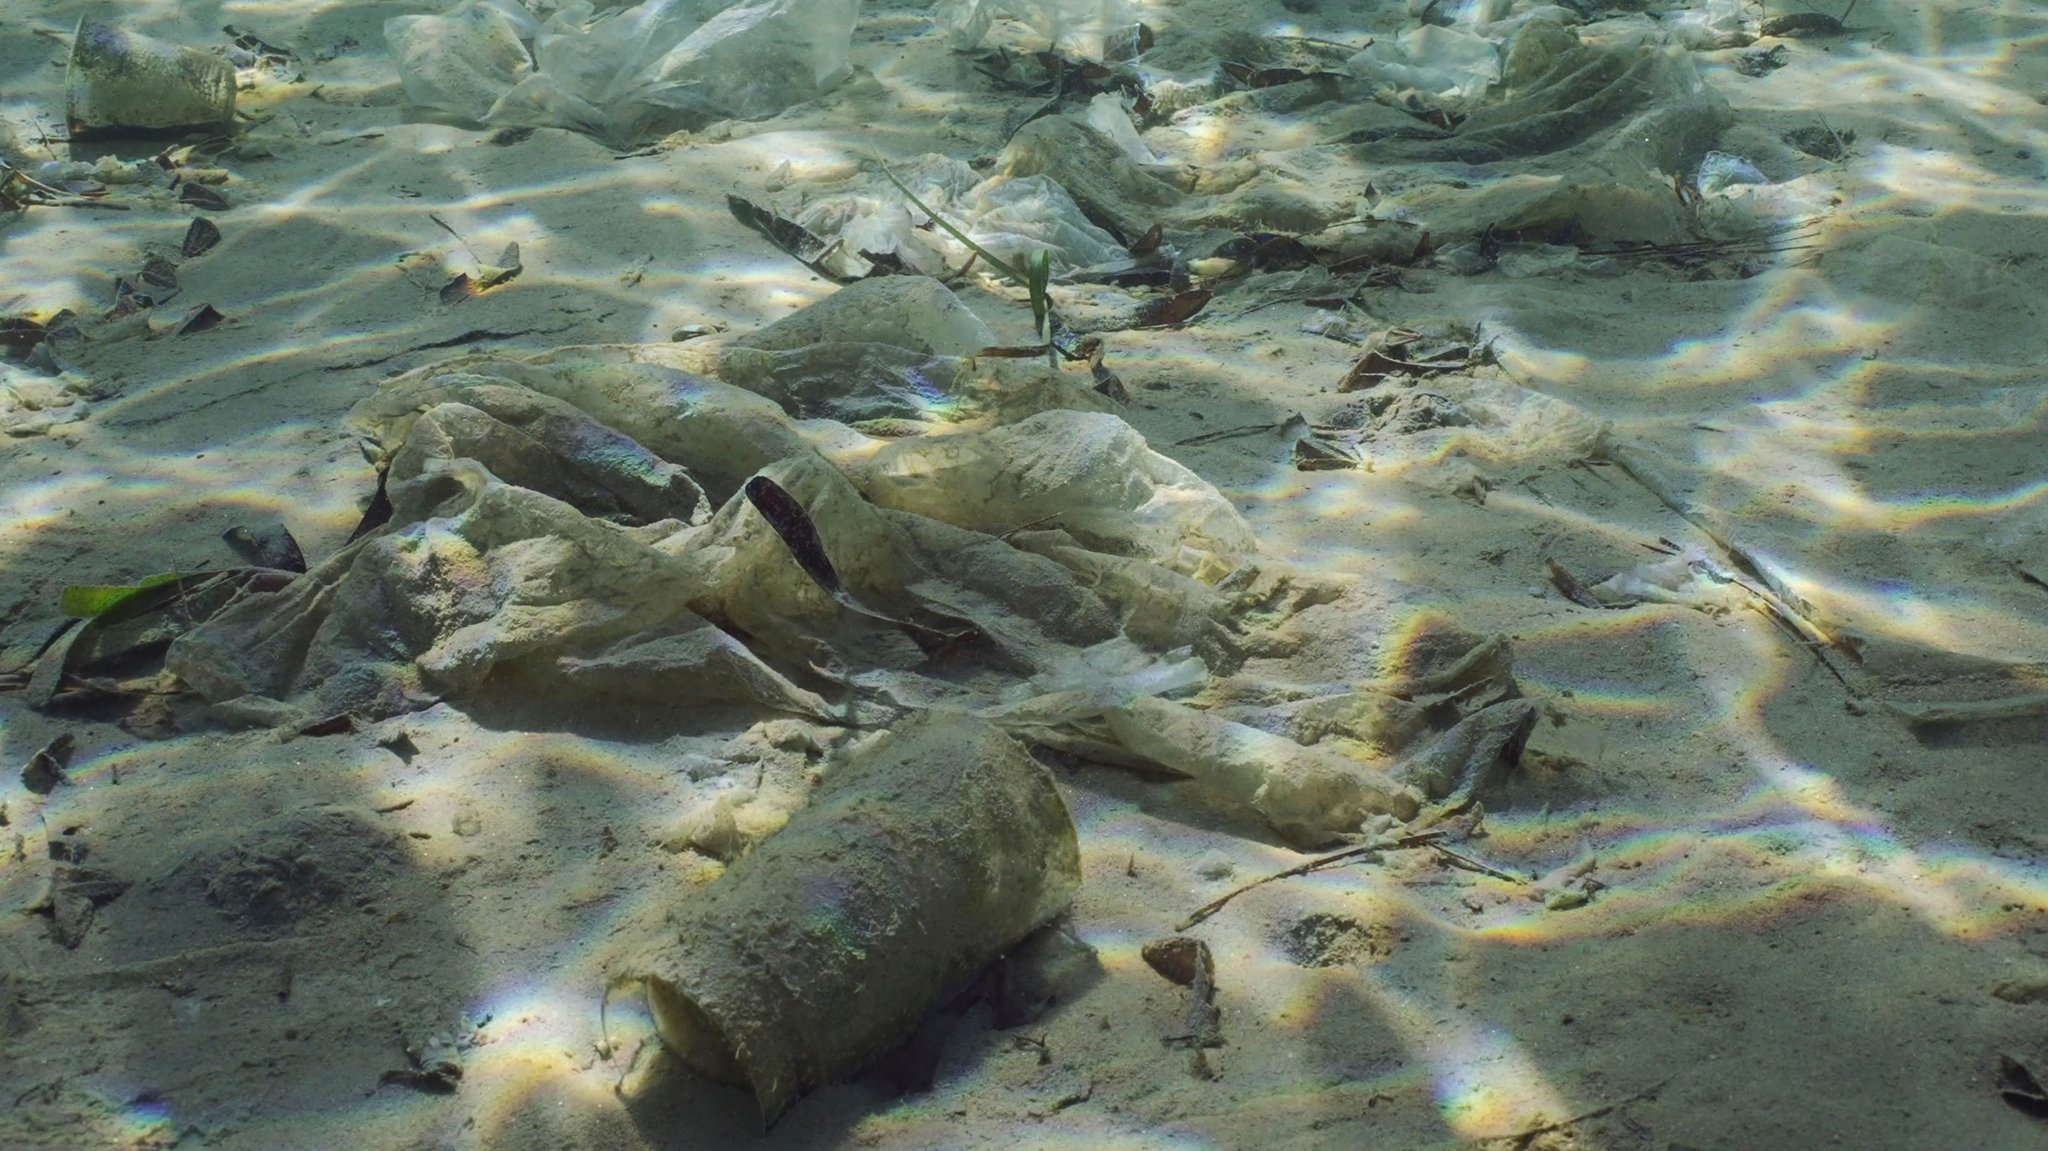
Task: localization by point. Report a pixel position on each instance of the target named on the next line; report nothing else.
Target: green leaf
(89, 601)
(1040, 268)
(1010, 270)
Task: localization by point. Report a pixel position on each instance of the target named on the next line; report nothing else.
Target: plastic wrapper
(922, 858)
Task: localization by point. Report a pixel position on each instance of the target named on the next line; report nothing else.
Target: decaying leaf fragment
(800, 535)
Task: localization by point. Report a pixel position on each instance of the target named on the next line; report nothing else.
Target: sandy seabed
(1812, 922)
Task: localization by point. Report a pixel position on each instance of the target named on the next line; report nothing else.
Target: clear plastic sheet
(624, 74)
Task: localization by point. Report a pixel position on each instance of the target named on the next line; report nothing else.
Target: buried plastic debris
(122, 83)
(921, 859)
(1092, 28)
(552, 535)
(625, 74)
(1310, 795)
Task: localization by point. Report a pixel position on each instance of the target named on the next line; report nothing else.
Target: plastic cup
(122, 83)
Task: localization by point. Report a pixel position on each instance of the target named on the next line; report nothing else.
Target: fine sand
(1811, 922)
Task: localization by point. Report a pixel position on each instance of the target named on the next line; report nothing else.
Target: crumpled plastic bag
(1443, 62)
(32, 404)
(1093, 169)
(478, 581)
(1622, 107)
(1310, 795)
(1596, 133)
(1690, 578)
(914, 312)
(461, 61)
(1315, 770)
(1011, 217)
(625, 74)
(569, 530)
(1082, 27)
(1087, 473)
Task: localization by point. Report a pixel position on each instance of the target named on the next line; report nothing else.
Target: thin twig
(1470, 864)
(1030, 524)
(1419, 839)
(1227, 434)
(1331, 43)
(1522, 1138)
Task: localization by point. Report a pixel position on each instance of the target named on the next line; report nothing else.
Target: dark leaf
(340, 724)
(1313, 453)
(1170, 310)
(1799, 25)
(200, 237)
(17, 332)
(160, 273)
(459, 289)
(203, 197)
(885, 264)
(800, 535)
(75, 897)
(199, 319)
(1267, 252)
(1127, 43)
(441, 1077)
(795, 240)
(1149, 242)
(45, 769)
(1179, 959)
(248, 42)
(2020, 1089)
(377, 514)
(1570, 587)
(267, 547)
(1107, 383)
(793, 524)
